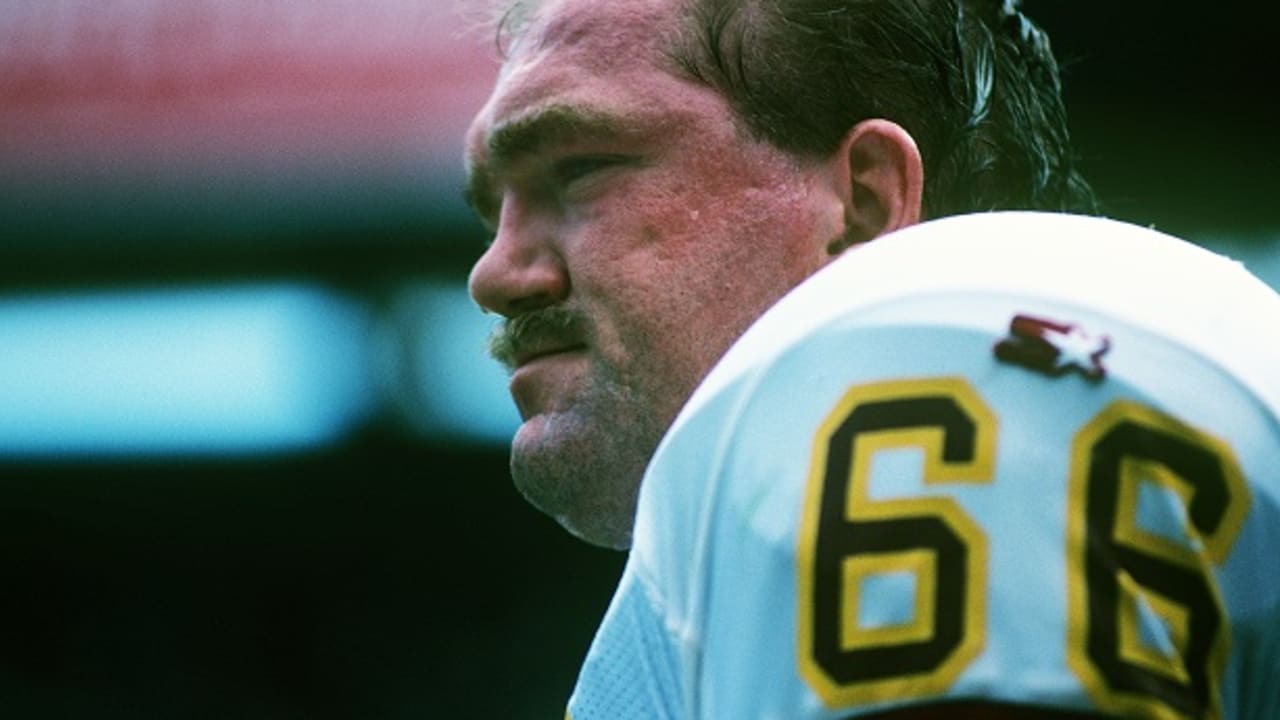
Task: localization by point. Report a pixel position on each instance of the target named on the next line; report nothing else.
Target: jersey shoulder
(866, 504)
(1174, 288)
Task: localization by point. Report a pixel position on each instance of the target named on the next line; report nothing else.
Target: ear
(881, 175)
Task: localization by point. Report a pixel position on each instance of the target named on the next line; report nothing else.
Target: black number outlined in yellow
(1113, 564)
(846, 537)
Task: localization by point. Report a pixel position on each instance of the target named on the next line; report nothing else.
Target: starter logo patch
(1053, 348)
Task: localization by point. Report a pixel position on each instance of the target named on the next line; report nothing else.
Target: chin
(591, 494)
(612, 537)
(582, 467)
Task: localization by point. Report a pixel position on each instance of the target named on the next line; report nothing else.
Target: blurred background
(252, 456)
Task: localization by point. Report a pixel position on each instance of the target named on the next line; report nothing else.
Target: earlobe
(880, 168)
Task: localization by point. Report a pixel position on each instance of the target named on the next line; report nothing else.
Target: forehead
(599, 24)
(590, 52)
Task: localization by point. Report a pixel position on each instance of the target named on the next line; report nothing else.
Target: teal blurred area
(241, 370)
(441, 382)
(196, 372)
(252, 453)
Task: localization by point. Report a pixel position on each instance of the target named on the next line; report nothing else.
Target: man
(658, 174)
(614, 125)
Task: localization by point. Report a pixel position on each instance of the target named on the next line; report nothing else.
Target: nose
(522, 270)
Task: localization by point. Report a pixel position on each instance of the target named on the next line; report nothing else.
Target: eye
(567, 170)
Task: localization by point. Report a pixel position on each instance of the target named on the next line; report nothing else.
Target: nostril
(522, 305)
(510, 281)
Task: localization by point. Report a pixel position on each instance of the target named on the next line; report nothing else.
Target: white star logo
(1079, 349)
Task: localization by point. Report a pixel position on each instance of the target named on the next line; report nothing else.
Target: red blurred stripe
(88, 86)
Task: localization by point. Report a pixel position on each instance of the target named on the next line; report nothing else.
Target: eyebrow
(527, 135)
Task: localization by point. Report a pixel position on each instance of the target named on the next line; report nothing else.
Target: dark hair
(973, 81)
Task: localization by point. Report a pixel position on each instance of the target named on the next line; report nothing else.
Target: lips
(546, 378)
(525, 338)
(527, 355)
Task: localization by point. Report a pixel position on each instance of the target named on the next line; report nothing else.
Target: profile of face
(638, 231)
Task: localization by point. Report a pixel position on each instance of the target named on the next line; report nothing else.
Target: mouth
(523, 339)
(545, 379)
(531, 354)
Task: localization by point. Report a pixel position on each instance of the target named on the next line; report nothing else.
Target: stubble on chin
(582, 464)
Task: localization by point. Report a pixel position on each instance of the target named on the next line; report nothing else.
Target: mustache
(550, 326)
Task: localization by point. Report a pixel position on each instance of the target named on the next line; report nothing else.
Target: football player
(858, 511)
(986, 467)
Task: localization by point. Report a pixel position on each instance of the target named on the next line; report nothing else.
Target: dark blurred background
(252, 457)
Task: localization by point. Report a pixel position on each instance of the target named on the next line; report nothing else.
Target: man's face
(638, 232)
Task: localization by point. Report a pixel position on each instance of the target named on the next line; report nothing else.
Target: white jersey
(1014, 457)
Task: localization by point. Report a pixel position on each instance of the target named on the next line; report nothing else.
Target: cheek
(674, 280)
(677, 316)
